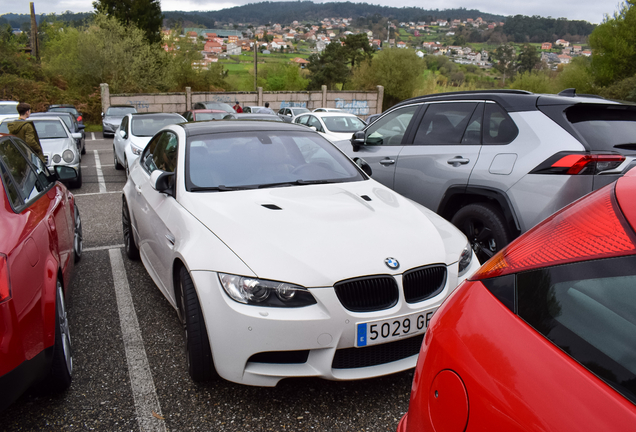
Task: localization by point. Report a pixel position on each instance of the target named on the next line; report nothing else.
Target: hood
(113, 119)
(139, 141)
(318, 234)
(54, 146)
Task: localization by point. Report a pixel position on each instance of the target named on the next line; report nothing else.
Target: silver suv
(495, 163)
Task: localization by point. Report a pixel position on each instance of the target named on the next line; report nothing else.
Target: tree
(504, 56)
(357, 48)
(528, 58)
(329, 67)
(614, 46)
(144, 14)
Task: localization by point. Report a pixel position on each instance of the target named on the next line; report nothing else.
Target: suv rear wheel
(485, 228)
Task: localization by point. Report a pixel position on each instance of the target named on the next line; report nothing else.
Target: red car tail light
(590, 228)
(579, 163)
(5, 288)
(79, 118)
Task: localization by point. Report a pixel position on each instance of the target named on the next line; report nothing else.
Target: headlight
(68, 156)
(57, 158)
(261, 292)
(136, 150)
(465, 258)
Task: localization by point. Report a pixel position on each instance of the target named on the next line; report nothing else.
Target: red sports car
(543, 336)
(40, 241)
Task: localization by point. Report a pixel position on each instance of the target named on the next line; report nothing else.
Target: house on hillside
(213, 46)
(300, 61)
(546, 46)
(562, 42)
(401, 44)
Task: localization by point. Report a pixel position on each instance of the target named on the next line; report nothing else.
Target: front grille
(46, 159)
(423, 283)
(367, 294)
(280, 357)
(351, 358)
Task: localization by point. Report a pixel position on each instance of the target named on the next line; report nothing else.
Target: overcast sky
(590, 10)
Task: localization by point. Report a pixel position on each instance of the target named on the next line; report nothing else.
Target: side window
(26, 181)
(390, 129)
(40, 168)
(147, 160)
(12, 192)
(124, 124)
(498, 126)
(281, 111)
(313, 121)
(444, 123)
(165, 154)
(472, 134)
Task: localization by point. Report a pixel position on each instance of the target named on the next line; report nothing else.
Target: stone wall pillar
(380, 99)
(259, 101)
(324, 96)
(105, 92)
(188, 98)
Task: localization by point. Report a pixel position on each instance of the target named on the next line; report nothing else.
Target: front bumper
(109, 128)
(259, 346)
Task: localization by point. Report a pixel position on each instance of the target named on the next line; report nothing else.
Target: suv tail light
(5, 288)
(579, 163)
(590, 228)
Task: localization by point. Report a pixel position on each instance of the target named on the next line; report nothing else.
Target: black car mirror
(364, 166)
(357, 140)
(65, 173)
(81, 126)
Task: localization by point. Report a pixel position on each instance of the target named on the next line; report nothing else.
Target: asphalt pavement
(130, 371)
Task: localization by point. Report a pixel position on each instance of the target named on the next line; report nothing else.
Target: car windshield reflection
(224, 161)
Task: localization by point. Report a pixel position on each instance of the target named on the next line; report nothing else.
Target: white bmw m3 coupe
(282, 257)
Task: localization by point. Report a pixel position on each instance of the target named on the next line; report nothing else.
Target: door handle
(387, 161)
(457, 161)
(138, 188)
(170, 239)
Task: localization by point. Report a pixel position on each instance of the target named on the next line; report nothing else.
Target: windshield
(65, 118)
(605, 127)
(120, 111)
(50, 129)
(218, 105)
(297, 111)
(209, 116)
(8, 109)
(148, 126)
(343, 124)
(64, 109)
(257, 159)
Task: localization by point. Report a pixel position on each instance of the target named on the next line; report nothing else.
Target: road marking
(93, 136)
(141, 382)
(97, 193)
(100, 248)
(100, 175)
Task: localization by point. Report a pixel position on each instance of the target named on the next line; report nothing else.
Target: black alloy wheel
(485, 228)
(132, 251)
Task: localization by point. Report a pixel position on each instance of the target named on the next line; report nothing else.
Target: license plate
(387, 330)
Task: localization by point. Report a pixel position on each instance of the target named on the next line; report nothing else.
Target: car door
(119, 142)
(152, 208)
(444, 151)
(384, 141)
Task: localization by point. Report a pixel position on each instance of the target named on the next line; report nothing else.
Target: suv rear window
(588, 310)
(605, 127)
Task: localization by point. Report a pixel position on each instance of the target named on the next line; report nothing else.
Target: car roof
(206, 111)
(151, 114)
(8, 103)
(329, 114)
(47, 113)
(121, 106)
(61, 106)
(235, 125)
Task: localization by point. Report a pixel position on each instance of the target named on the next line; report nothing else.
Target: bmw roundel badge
(392, 263)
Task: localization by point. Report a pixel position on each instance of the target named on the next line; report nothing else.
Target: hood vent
(271, 206)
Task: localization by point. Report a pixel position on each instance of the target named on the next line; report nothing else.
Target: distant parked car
(71, 123)
(496, 163)
(372, 118)
(328, 110)
(58, 144)
(8, 109)
(113, 116)
(288, 114)
(68, 109)
(543, 336)
(212, 105)
(40, 242)
(250, 116)
(135, 131)
(252, 109)
(204, 114)
(334, 126)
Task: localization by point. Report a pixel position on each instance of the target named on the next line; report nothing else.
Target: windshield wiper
(296, 183)
(220, 188)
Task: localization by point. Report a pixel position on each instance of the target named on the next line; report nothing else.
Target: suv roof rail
(500, 91)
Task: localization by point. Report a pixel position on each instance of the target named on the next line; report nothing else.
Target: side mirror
(122, 133)
(163, 182)
(76, 135)
(65, 173)
(364, 166)
(288, 115)
(81, 126)
(312, 127)
(102, 114)
(357, 140)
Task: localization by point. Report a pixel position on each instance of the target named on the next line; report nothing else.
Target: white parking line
(143, 387)
(100, 175)
(100, 248)
(97, 193)
(93, 136)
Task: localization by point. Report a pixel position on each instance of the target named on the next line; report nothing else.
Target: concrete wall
(361, 104)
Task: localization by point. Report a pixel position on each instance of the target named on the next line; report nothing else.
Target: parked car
(496, 163)
(135, 131)
(72, 125)
(40, 242)
(334, 126)
(8, 109)
(329, 110)
(214, 106)
(113, 117)
(204, 114)
(250, 116)
(373, 117)
(252, 109)
(288, 114)
(58, 144)
(254, 232)
(543, 336)
(67, 108)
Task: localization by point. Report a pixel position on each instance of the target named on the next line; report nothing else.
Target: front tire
(485, 228)
(198, 351)
(118, 166)
(60, 375)
(129, 237)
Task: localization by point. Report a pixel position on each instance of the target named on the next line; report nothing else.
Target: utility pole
(35, 45)
(255, 62)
